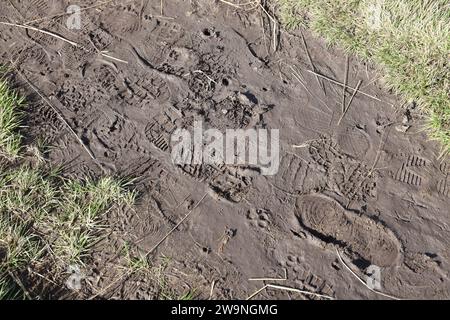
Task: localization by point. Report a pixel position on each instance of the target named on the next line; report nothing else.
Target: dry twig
(350, 102)
(361, 280)
(176, 227)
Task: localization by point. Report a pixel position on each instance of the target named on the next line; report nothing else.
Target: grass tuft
(10, 117)
(48, 218)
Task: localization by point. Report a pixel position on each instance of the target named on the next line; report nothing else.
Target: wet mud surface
(362, 185)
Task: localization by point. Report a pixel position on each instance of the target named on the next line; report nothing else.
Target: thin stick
(344, 89)
(297, 77)
(209, 78)
(311, 62)
(61, 117)
(116, 281)
(42, 277)
(266, 279)
(361, 280)
(350, 102)
(275, 24)
(306, 143)
(264, 33)
(284, 288)
(105, 53)
(20, 284)
(383, 140)
(174, 228)
(40, 30)
(275, 286)
(211, 292)
(348, 87)
(256, 292)
(113, 58)
(239, 6)
(147, 234)
(230, 4)
(270, 279)
(275, 40)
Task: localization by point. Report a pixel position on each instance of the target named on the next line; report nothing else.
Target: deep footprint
(330, 222)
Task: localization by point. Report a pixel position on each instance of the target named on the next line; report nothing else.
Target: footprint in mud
(443, 185)
(231, 185)
(347, 176)
(168, 32)
(146, 90)
(354, 142)
(303, 276)
(259, 218)
(412, 170)
(160, 129)
(295, 174)
(422, 262)
(100, 38)
(122, 22)
(327, 220)
(34, 9)
(421, 173)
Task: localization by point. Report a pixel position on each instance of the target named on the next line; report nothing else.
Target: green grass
(408, 39)
(10, 117)
(47, 222)
(44, 217)
(9, 290)
(138, 263)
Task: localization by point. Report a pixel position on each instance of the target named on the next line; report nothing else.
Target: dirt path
(365, 186)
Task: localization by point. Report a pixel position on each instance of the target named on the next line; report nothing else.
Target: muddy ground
(371, 187)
